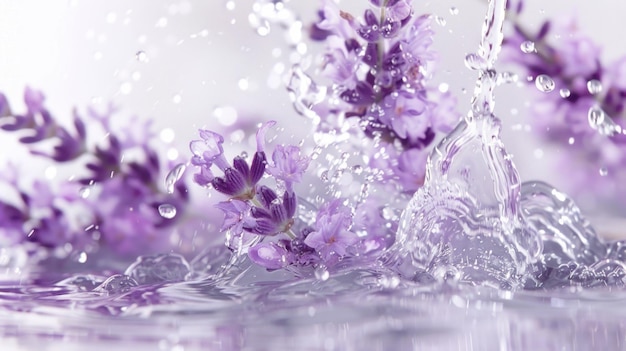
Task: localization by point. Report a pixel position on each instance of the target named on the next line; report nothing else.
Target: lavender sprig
(119, 201)
(379, 67)
(261, 220)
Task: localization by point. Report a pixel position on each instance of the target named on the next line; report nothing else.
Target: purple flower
(379, 66)
(406, 114)
(275, 215)
(289, 165)
(332, 237)
(236, 216)
(240, 179)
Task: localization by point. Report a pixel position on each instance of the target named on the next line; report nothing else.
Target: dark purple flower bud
(242, 167)
(259, 162)
(362, 95)
(370, 31)
(370, 57)
(266, 196)
(232, 184)
(289, 203)
(265, 226)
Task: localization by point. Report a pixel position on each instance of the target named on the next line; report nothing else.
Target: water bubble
(603, 171)
(565, 93)
(116, 284)
(174, 176)
(243, 84)
(159, 269)
(596, 117)
(167, 211)
(454, 10)
(321, 273)
(544, 83)
(141, 56)
(594, 86)
(527, 47)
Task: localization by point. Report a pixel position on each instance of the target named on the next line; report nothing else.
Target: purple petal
(268, 255)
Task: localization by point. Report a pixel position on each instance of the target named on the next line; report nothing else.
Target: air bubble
(544, 83)
(596, 117)
(440, 21)
(527, 47)
(594, 86)
(454, 10)
(167, 211)
(565, 93)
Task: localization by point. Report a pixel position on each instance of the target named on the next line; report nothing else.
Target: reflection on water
(364, 309)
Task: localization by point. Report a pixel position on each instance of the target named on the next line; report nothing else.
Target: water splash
(466, 223)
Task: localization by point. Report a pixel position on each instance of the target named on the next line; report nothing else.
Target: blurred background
(189, 64)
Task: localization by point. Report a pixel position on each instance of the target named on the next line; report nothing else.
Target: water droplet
(603, 171)
(172, 177)
(84, 192)
(230, 5)
(544, 83)
(440, 21)
(126, 88)
(475, 62)
(571, 141)
(141, 56)
(596, 117)
(82, 257)
(167, 211)
(177, 99)
(527, 47)
(564, 92)
(243, 84)
(321, 273)
(357, 169)
(594, 86)
(454, 10)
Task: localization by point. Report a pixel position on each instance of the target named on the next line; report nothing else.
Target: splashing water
(465, 223)
(473, 221)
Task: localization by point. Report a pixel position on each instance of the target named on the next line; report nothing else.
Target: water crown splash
(465, 223)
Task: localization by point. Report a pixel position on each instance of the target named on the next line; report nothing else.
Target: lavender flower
(332, 237)
(120, 200)
(585, 114)
(379, 66)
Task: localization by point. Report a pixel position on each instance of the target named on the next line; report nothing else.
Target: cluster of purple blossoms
(578, 103)
(113, 208)
(262, 221)
(379, 66)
